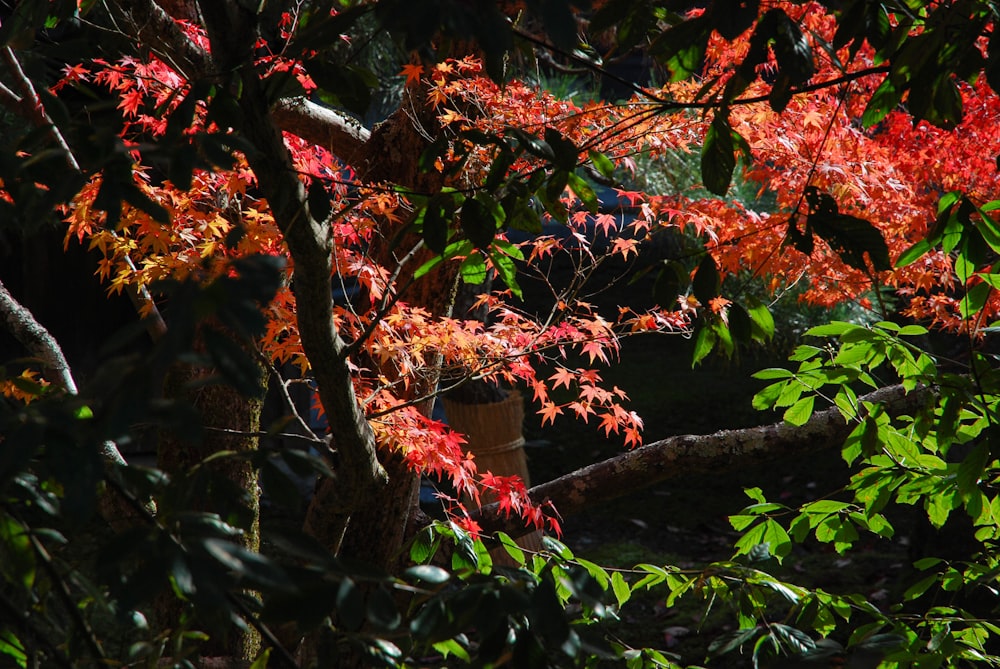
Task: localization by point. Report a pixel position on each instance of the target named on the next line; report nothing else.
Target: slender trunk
(376, 531)
(228, 418)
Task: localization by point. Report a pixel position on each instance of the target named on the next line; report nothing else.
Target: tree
(220, 160)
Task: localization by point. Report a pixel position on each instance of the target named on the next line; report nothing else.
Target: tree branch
(693, 454)
(342, 135)
(40, 343)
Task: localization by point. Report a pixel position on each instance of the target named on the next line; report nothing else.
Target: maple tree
(226, 185)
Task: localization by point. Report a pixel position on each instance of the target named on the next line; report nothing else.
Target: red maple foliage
(891, 175)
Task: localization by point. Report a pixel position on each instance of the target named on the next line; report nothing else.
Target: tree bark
(228, 417)
(694, 454)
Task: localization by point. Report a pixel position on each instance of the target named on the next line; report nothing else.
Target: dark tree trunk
(228, 420)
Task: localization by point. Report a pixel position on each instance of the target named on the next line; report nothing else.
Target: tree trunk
(227, 418)
(376, 530)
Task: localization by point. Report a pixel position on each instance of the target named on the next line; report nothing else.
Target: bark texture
(233, 33)
(227, 417)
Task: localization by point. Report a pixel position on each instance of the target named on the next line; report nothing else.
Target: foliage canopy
(212, 155)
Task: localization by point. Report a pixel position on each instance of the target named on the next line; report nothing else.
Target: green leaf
(248, 565)
(262, 659)
(433, 223)
(791, 49)
(584, 191)
(12, 648)
(971, 470)
(730, 641)
(350, 605)
(428, 573)
(885, 99)
(773, 373)
(740, 324)
(763, 321)
(717, 158)
(565, 152)
(381, 609)
(602, 163)
(507, 271)
(532, 144)
(939, 506)
(703, 344)
(452, 647)
(706, 283)
(478, 223)
(767, 396)
(913, 253)
(17, 557)
(681, 48)
(473, 269)
(621, 588)
(834, 329)
(974, 300)
(920, 587)
(511, 547)
(461, 247)
(849, 237)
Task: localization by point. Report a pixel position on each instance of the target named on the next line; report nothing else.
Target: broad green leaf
(773, 373)
(602, 163)
(585, 192)
(717, 154)
(974, 300)
(703, 344)
(428, 574)
(730, 641)
(381, 609)
(706, 282)
(762, 319)
(262, 659)
(350, 605)
(920, 587)
(834, 329)
(506, 270)
(12, 648)
(912, 254)
(478, 223)
(245, 564)
(740, 324)
(473, 269)
(766, 397)
(939, 506)
(621, 589)
(565, 152)
(884, 100)
(511, 547)
(452, 647)
(17, 557)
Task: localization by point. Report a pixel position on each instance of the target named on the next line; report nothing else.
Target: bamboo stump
(496, 441)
